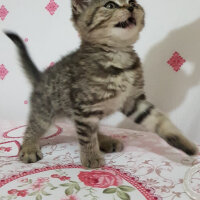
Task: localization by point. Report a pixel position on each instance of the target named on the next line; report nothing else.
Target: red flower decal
(100, 179)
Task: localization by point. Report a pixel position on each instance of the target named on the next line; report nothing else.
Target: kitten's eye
(132, 2)
(111, 5)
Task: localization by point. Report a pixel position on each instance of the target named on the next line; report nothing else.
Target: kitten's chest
(119, 59)
(117, 80)
(118, 89)
(118, 67)
(116, 102)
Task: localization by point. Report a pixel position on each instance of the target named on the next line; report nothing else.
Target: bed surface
(148, 168)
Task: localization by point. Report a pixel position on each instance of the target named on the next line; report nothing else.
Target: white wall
(171, 25)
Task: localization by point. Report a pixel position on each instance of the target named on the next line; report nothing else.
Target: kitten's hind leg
(87, 129)
(144, 113)
(30, 150)
(108, 144)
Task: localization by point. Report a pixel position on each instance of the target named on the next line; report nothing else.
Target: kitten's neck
(110, 56)
(106, 48)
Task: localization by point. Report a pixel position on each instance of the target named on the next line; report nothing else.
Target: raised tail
(29, 67)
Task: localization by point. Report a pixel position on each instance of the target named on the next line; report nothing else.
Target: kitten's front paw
(30, 153)
(108, 144)
(92, 160)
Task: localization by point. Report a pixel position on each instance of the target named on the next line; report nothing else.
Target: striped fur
(104, 75)
(154, 120)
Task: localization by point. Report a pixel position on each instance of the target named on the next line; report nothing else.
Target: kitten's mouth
(125, 24)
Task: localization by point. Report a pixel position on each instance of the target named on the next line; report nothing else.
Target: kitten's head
(111, 22)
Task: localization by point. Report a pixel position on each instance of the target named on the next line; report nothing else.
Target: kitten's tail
(29, 67)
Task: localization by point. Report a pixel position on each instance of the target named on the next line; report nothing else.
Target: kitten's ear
(78, 6)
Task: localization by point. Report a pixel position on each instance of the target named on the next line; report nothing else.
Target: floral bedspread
(148, 168)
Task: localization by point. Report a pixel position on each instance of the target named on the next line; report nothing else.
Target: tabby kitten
(104, 75)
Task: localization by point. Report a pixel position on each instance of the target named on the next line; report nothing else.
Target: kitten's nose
(130, 9)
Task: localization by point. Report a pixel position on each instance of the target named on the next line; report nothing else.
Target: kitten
(104, 75)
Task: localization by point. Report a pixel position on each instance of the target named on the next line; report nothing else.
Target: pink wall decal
(26, 40)
(3, 72)
(52, 7)
(3, 12)
(51, 65)
(25, 102)
(176, 61)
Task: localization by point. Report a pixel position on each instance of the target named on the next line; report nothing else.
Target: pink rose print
(100, 179)
(13, 191)
(71, 197)
(55, 176)
(24, 180)
(22, 193)
(6, 149)
(39, 183)
(62, 178)
(42, 180)
(36, 186)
